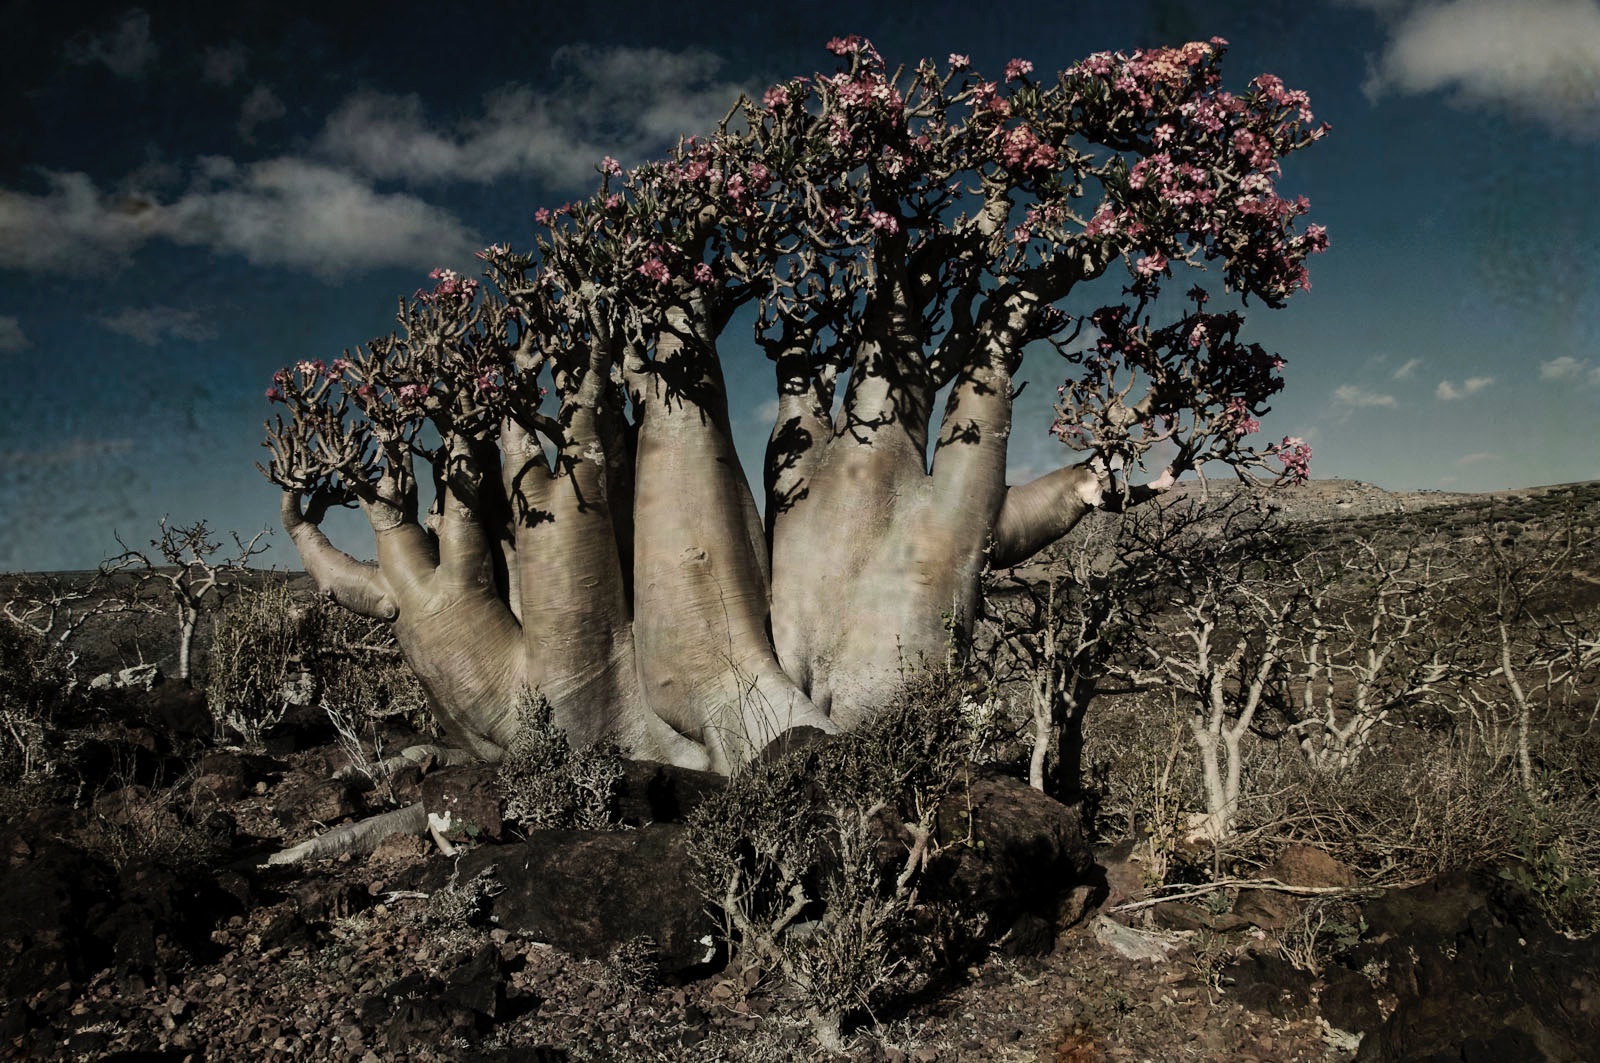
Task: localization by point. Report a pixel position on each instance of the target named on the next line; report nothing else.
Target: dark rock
(480, 984)
(470, 796)
(662, 793)
(323, 900)
(44, 938)
(1348, 1002)
(1019, 850)
(299, 803)
(1295, 865)
(466, 1003)
(589, 891)
(1029, 935)
(1264, 982)
(1478, 976)
(175, 709)
(791, 741)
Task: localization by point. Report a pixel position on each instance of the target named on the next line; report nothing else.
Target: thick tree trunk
(706, 663)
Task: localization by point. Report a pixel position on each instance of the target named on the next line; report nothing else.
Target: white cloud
(1353, 395)
(262, 105)
(150, 325)
(1567, 367)
(1539, 58)
(303, 215)
(11, 337)
(625, 102)
(1407, 371)
(126, 49)
(282, 212)
(72, 227)
(1449, 392)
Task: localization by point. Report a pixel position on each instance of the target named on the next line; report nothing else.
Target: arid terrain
(1404, 909)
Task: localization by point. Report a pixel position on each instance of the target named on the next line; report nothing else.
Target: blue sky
(192, 196)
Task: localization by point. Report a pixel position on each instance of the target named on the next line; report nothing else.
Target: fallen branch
(1271, 884)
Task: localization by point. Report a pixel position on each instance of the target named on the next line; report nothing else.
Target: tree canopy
(895, 236)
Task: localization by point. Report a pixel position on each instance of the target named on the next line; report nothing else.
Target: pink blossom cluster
(411, 394)
(1295, 454)
(883, 221)
(1271, 86)
(1151, 265)
(1017, 69)
(987, 101)
(1021, 149)
(654, 269)
(452, 288)
(1237, 419)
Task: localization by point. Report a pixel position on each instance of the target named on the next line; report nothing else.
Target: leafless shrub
(793, 855)
(35, 685)
(181, 575)
(547, 783)
(258, 669)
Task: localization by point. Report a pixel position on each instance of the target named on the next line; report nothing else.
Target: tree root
(441, 756)
(356, 838)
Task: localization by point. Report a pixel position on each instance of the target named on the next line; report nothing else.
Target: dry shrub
(799, 855)
(546, 783)
(36, 685)
(257, 657)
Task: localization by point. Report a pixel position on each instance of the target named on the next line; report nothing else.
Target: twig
(1271, 884)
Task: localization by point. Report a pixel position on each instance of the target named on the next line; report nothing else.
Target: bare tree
(180, 576)
(1369, 647)
(1224, 647)
(57, 609)
(1534, 649)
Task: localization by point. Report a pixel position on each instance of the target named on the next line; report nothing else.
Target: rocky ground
(139, 923)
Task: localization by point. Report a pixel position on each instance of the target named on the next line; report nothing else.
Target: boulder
(1020, 850)
(1478, 975)
(589, 891)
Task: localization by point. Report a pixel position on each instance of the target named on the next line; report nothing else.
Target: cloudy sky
(194, 195)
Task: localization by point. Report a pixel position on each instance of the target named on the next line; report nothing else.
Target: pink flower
(882, 221)
(1236, 418)
(655, 270)
(702, 273)
(613, 201)
(845, 45)
(411, 394)
(542, 215)
(1017, 69)
(776, 98)
(274, 395)
(610, 166)
(1295, 453)
(1151, 264)
(958, 61)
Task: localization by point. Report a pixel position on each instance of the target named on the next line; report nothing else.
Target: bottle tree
(895, 238)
